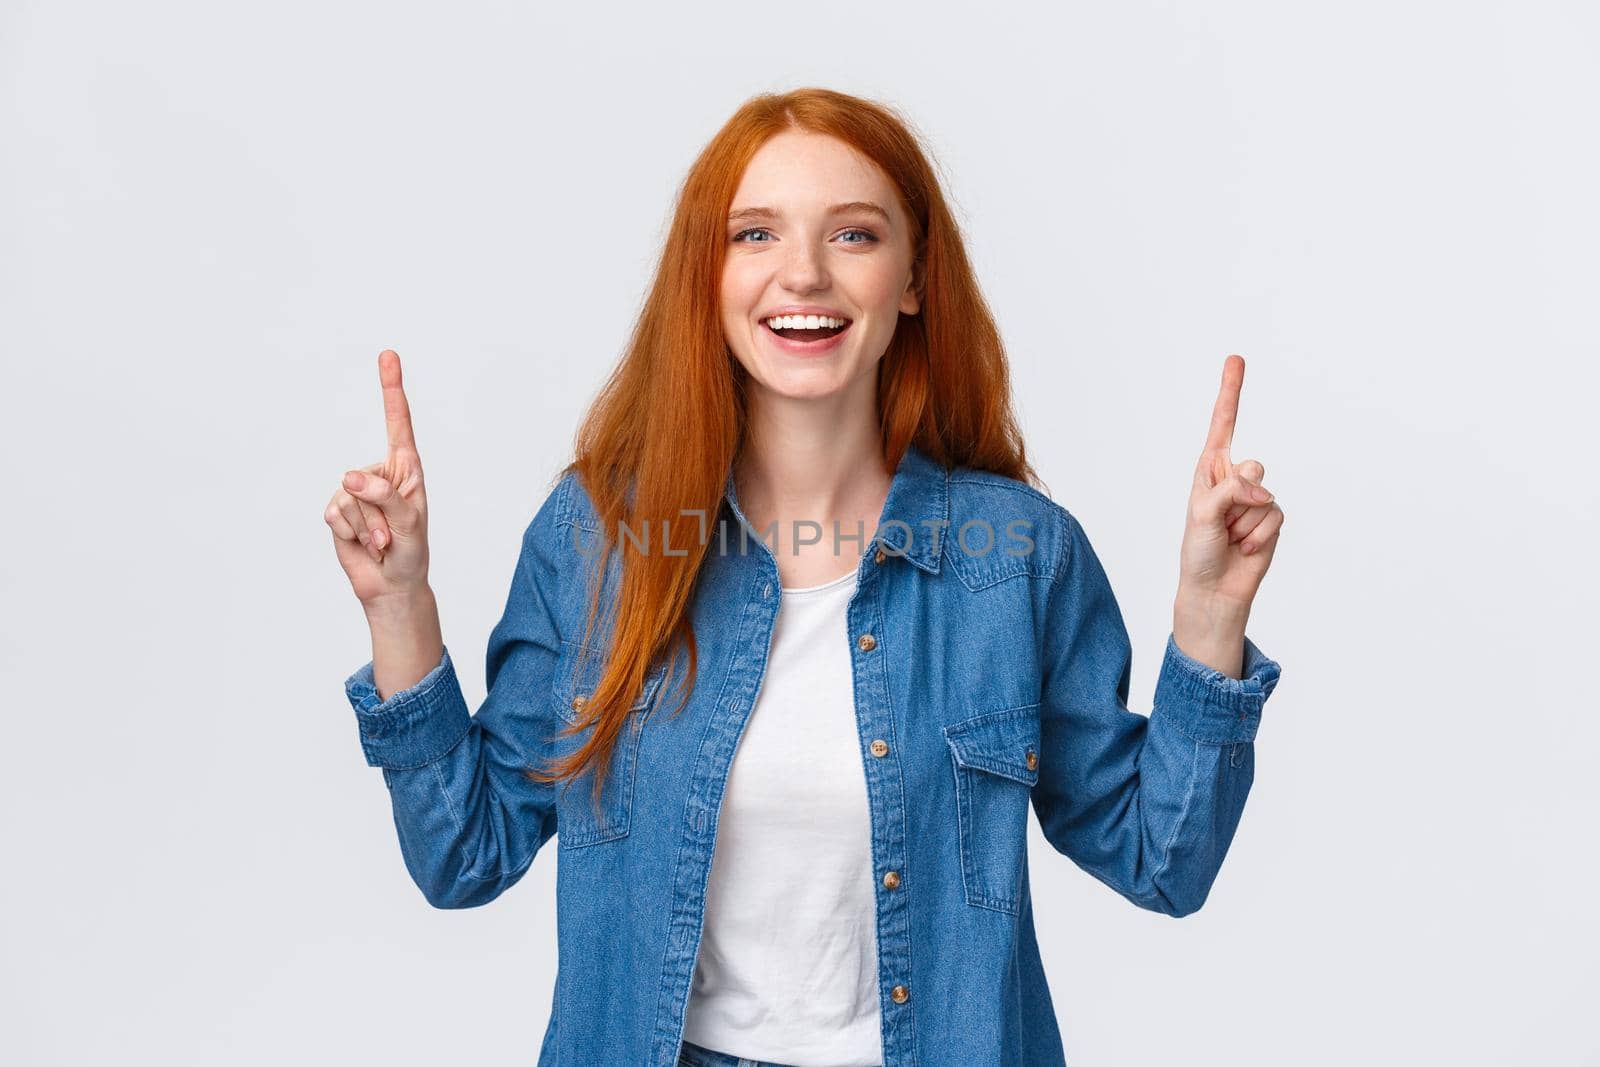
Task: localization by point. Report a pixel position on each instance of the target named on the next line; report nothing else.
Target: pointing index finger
(1226, 410)
(396, 412)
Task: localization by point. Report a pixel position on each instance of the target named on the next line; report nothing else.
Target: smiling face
(814, 227)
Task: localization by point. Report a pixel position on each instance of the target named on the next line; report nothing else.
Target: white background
(215, 216)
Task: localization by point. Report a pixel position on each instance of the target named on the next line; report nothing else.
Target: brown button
(879, 747)
(880, 556)
(899, 994)
(866, 642)
(579, 701)
(891, 880)
(1033, 760)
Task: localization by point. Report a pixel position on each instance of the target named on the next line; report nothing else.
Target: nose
(803, 268)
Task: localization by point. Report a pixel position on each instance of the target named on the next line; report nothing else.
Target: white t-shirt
(788, 964)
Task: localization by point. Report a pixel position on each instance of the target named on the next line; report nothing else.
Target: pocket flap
(570, 682)
(1004, 742)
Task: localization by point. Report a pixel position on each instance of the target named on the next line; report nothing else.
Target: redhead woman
(796, 640)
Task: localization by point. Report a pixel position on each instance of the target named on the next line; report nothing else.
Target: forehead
(797, 171)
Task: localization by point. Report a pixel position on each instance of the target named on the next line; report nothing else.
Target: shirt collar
(915, 513)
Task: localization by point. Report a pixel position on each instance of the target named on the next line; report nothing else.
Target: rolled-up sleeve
(1149, 805)
(414, 726)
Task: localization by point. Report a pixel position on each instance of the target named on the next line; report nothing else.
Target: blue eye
(869, 237)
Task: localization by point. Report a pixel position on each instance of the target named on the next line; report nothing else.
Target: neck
(806, 463)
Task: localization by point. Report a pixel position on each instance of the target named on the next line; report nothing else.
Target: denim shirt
(985, 682)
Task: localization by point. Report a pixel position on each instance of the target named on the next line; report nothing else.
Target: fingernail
(355, 480)
(1263, 496)
(380, 538)
(1248, 548)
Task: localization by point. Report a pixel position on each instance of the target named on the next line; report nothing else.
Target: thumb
(378, 491)
(1235, 490)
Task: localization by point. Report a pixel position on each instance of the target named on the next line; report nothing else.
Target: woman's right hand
(379, 515)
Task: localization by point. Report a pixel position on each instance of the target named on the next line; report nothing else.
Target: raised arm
(1147, 805)
(469, 821)
(1150, 806)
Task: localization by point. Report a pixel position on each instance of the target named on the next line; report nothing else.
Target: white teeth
(804, 322)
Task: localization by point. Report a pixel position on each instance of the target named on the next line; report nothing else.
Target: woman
(801, 504)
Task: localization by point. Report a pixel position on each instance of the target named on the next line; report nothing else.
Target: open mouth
(802, 335)
(811, 335)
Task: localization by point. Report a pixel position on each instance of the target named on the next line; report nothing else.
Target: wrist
(1210, 613)
(401, 607)
(1210, 630)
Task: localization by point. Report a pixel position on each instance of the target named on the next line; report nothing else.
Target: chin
(801, 386)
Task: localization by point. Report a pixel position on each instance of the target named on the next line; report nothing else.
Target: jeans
(692, 1055)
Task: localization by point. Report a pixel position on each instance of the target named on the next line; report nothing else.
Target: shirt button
(579, 701)
(879, 747)
(1033, 760)
(899, 994)
(880, 556)
(866, 642)
(891, 880)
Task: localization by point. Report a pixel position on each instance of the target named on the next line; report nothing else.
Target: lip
(806, 348)
(802, 309)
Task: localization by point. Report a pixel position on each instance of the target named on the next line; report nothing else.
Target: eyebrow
(748, 214)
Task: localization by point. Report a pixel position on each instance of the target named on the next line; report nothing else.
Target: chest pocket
(579, 821)
(996, 761)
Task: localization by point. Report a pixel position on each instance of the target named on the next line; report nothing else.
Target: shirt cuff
(414, 726)
(1207, 705)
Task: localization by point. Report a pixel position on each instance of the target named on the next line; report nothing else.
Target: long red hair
(669, 422)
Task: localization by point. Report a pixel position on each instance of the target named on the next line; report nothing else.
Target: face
(814, 227)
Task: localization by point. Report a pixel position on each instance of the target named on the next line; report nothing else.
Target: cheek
(879, 284)
(736, 305)
(740, 288)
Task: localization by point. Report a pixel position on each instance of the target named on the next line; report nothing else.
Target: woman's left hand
(1233, 522)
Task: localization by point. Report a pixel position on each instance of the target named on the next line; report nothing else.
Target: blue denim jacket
(985, 681)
